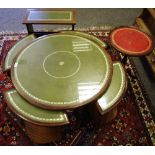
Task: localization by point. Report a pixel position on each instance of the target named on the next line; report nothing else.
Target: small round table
(62, 71)
(131, 41)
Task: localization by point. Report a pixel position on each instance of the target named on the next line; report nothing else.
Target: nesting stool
(105, 109)
(16, 49)
(42, 126)
(131, 41)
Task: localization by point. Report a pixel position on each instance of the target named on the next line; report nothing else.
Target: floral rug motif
(133, 125)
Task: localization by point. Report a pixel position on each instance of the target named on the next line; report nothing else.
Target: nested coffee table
(62, 71)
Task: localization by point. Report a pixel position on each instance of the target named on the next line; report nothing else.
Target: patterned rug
(133, 125)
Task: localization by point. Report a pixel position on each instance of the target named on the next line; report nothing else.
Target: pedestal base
(43, 134)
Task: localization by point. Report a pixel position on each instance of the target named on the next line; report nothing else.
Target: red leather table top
(131, 41)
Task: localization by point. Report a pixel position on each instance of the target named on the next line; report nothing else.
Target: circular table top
(131, 41)
(61, 71)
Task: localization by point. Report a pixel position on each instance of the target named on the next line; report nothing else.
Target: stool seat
(32, 113)
(131, 41)
(115, 91)
(16, 49)
(88, 36)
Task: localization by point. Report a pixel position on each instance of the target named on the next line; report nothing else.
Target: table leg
(29, 28)
(73, 27)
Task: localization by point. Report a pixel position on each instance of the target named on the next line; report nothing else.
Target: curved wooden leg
(43, 134)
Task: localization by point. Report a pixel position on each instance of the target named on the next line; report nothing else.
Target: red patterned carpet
(134, 124)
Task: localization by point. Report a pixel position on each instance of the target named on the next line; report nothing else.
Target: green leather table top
(115, 91)
(16, 49)
(50, 15)
(62, 71)
(32, 113)
(86, 35)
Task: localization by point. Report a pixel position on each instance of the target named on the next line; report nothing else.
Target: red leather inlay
(131, 40)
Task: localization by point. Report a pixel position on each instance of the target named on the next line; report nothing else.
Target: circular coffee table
(131, 41)
(62, 71)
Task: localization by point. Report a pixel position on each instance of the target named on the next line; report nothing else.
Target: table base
(43, 134)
